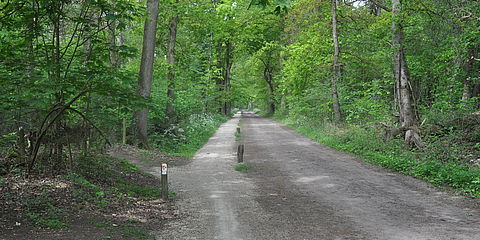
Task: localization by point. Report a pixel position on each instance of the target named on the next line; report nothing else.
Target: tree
(170, 111)
(146, 70)
(403, 88)
(336, 63)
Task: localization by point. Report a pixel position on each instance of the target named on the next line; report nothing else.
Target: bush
(186, 138)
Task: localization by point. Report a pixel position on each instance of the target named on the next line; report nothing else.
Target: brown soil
(26, 202)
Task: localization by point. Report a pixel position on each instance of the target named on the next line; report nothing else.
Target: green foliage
(366, 144)
(137, 191)
(190, 135)
(113, 178)
(80, 181)
(134, 233)
(51, 219)
(242, 168)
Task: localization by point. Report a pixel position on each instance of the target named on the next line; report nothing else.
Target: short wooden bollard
(240, 150)
(164, 182)
(238, 130)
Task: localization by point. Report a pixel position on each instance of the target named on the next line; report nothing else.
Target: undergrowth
(185, 138)
(98, 183)
(441, 162)
(242, 168)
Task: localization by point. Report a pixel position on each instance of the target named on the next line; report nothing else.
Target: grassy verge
(242, 168)
(366, 144)
(190, 135)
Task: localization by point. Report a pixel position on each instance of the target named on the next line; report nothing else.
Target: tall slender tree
(170, 110)
(146, 70)
(336, 63)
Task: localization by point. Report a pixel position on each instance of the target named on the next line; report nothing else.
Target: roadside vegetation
(185, 138)
(79, 77)
(108, 197)
(242, 168)
(450, 157)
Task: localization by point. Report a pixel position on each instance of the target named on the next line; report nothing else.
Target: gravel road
(299, 189)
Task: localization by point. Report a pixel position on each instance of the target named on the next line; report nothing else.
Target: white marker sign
(164, 169)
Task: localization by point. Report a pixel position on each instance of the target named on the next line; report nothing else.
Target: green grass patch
(366, 144)
(52, 218)
(238, 136)
(138, 191)
(134, 233)
(102, 180)
(242, 168)
(188, 136)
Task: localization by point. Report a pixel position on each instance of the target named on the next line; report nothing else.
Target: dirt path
(299, 189)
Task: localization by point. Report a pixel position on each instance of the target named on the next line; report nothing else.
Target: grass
(393, 155)
(138, 191)
(238, 136)
(128, 231)
(190, 135)
(134, 233)
(99, 181)
(52, 218)
(242, 168)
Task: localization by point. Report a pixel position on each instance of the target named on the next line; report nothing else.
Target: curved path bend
(299, 189)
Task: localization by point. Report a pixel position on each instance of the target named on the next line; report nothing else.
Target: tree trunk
(227, 77)
(469, 70)
(170, 111)
(146, 70)
(219, 78)
(336, 64)
(403, 86)
(268, 76)
(113, 46)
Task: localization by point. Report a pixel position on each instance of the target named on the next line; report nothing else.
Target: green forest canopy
(69, 68)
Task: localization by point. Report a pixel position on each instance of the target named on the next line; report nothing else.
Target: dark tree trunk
(219, 79)
(227, 78)
(336, 64)
(170, 111)
(146, 70)
(268, 76)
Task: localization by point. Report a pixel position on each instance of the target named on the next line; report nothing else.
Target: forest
(395, 82)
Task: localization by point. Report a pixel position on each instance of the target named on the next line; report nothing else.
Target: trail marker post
(238, 130)
(164, 182)
(240, 150)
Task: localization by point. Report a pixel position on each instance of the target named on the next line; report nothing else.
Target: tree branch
(91, 123)
(378, 4)
(59, 110)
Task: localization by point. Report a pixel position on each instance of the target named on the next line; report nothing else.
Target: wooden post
(124, 131)
(238, 130)
(164, 182)
(240, 150)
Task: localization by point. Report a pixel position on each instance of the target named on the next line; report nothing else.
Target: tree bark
(268, 76)
(469, 70)
(146, 70)
(170, 111)
(219, 78)
(402, 84)
(228, 77)
(113, 46)
(336, 64)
